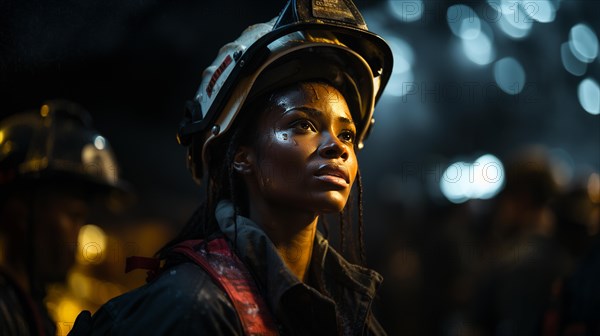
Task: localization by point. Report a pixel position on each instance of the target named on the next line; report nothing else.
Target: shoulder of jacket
(182, 298)
(186, 285)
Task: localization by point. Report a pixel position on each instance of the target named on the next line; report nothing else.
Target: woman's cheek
(283, 164)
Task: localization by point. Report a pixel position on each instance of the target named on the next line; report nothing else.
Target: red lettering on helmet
(217, 74)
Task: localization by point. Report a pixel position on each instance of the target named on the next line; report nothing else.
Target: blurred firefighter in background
(53, 164)
(526, 260)
(577, 297)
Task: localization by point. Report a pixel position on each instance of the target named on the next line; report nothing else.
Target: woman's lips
(331, 179)
(332, 174)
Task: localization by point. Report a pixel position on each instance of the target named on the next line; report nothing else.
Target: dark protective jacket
(184, 300)
(20, 314)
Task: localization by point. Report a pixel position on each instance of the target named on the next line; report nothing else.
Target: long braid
(231, 178)
(348, 210)
(234, 201)
(361, 228)
(342, 233)
(210, 196)
(325, 225)
(351, 238)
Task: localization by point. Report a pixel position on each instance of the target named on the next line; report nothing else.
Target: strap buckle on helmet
(188, 126)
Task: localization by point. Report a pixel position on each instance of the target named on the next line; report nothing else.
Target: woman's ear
(243, 161)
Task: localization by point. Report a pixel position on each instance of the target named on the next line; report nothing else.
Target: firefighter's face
(304, 155)
(61, 215)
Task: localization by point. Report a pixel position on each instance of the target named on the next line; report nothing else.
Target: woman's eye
(347, 136)
(304, 125)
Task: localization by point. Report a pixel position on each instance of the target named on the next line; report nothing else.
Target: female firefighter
(273, 131)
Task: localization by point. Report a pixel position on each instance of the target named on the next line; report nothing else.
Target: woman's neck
(291, 231)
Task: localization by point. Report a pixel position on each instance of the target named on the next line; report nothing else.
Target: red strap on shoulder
(228, 271)
(136, 262)
(150, 264)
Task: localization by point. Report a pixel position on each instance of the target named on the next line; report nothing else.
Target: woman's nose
(333, 148)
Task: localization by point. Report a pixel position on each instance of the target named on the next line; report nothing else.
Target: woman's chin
(321, 202)
(331, 202)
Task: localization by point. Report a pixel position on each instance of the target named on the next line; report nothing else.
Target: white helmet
(310, 40)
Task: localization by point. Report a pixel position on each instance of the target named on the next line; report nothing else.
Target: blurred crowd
(525, 262)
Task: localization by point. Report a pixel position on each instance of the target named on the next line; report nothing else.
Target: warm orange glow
(63, 307)
(91, 245)
(594, 188)
(44, 110)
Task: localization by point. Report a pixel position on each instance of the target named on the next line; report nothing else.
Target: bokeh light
(482, 179)
(589, 96)
(100, 142)
(406, 10)
(583, 43)
(593, 187)
(463, 22)
(453, 186)
(539, 10)
(402, 74)
(562, 167)
(66, 309)
(570, 62)
(91, 245)
(44, 110)
(479, 50)
(501, 6)
(488, 177)
(509, 75)
(400, 84)
(404, 55)
(512, 19)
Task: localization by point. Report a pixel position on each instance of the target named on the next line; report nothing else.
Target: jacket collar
(274, 279)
